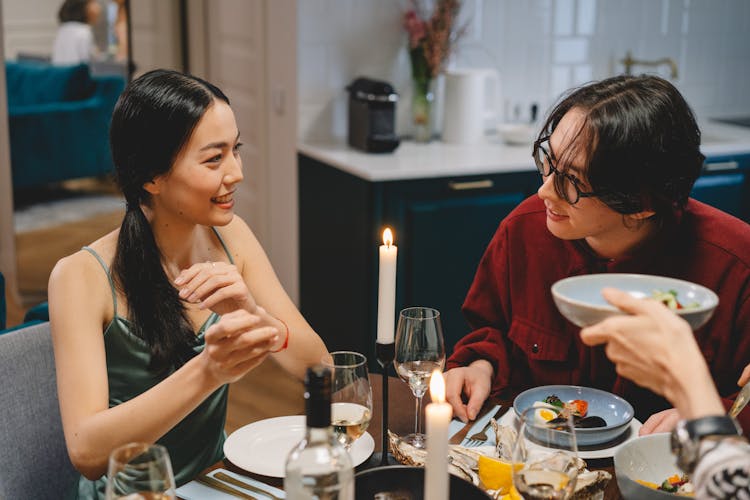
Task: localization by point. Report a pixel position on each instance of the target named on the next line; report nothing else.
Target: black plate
(407, 483)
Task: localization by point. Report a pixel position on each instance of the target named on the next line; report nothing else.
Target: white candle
(387, 289)
(438, 415)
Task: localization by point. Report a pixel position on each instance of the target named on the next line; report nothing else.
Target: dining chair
(34, 461)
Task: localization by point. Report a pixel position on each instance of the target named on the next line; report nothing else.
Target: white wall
(541, 47)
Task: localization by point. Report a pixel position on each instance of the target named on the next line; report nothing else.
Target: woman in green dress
(153, 320)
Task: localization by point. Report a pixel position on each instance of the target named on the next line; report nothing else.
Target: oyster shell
(462, 461)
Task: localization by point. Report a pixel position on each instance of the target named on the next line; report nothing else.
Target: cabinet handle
(464, 186)
(720, 166)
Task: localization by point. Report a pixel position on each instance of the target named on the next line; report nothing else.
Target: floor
(265, 392)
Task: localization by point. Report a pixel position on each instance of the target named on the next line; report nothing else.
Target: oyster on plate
(462, 461)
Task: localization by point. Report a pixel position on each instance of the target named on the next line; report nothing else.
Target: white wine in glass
(548, 453)
(420, 349)
(140, 471)
(351, 395)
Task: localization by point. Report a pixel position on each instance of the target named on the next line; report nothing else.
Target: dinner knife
(218, 485)
(242, 484)
(741, 401)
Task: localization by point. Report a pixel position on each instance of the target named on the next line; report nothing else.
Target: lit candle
(438, 415)
(387, 289)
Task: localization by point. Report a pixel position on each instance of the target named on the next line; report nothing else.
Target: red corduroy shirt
(518, 329)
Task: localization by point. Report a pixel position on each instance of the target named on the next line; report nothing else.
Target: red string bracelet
(286, 339)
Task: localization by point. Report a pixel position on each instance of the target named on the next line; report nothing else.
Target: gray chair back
(34, 461)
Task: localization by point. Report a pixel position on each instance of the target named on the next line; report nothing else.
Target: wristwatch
(687, 435)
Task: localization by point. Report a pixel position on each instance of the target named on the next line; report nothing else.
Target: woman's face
(93, 11)
(589, 218)
(200, 185)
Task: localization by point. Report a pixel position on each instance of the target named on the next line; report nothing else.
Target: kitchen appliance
(372, 116)
(472, 98)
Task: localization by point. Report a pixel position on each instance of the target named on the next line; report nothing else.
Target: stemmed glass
(351, 395)
(140, 471)
(547, 452)
(420, 349)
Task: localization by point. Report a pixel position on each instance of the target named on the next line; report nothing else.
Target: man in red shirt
(618, 158)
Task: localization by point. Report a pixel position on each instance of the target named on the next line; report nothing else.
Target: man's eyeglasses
(567, 185)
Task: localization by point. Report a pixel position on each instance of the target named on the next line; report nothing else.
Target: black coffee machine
(372, 116)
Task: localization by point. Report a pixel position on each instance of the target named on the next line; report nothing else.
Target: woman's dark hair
(640, 140)
(151, 123)
(73, 10)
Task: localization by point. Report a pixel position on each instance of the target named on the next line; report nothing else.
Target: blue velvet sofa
(59, 122)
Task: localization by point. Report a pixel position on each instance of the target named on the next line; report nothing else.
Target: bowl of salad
(580, 300)
(645, 470)
(599, 417)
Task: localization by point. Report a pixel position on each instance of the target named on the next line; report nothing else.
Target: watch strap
(714, 425)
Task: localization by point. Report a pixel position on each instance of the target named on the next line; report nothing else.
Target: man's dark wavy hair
(640, 140)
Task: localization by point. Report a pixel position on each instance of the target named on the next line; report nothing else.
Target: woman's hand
(655, 348)
(475, 382)
(217, 286)
(237, 343)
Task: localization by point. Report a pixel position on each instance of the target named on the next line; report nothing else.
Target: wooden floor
(265, 392)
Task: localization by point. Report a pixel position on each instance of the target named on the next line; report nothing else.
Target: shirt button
(535, 348)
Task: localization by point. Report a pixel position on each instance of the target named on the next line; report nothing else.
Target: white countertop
(437, 159)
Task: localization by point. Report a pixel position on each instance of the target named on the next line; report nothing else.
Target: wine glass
(420, 349)
(351, 395)
(140, 471)
(547, 452)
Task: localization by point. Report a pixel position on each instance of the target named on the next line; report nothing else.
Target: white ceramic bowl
(580, 300)
(518, 134)
(648, 458)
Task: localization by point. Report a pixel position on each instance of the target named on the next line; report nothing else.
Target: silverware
(242, 484)
(742, 399)
(218, 485)
(479, 438)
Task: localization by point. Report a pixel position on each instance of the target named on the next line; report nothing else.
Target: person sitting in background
(618, 160)
(152, 321)
(656, 348)
(74, 42)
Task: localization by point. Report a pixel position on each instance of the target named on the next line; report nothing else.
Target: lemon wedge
(497, 474)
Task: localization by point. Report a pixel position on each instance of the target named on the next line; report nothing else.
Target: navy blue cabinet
(441, 226)
(725, 184)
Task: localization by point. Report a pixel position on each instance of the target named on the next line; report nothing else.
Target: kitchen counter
(437, 159)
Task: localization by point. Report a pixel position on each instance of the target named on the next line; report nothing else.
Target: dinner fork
(479, 438)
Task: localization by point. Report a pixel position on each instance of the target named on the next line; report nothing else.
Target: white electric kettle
(472, 98)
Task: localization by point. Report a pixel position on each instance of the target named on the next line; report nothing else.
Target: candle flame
(437, 387)
(387, 237)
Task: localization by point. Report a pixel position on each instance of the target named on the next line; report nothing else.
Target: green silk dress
(194, 443)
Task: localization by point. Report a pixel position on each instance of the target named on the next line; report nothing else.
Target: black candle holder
(385, 353)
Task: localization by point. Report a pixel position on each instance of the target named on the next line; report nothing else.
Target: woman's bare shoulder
(239, 239)
(82, 265)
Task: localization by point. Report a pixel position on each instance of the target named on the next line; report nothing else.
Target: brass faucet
(629, 62)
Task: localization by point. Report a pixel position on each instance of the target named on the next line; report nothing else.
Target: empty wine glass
(351, 395)
(547, 451)
(140, 471)
(420, 349)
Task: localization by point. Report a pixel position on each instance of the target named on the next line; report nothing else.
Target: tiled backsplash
(540, 48)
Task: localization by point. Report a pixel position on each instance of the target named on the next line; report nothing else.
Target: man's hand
(475, 382)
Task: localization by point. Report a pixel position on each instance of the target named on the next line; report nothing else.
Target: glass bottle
(319, 467)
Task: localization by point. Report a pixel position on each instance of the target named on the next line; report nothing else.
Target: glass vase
(422, 108)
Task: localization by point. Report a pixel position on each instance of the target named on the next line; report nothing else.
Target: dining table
(401, 407)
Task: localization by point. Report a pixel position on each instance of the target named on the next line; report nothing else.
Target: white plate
(606, 450)
(262, 447)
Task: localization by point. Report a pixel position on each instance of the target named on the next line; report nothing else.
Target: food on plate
(669, 299)
(468, 464)
(677, 484)
(553, 410)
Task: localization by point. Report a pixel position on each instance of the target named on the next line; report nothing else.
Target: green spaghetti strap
(221, 240)
(109, 276)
